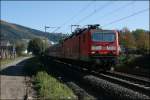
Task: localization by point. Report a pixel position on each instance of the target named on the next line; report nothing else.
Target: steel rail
(129, 77)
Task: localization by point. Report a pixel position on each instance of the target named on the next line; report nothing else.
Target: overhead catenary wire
(117, 9)
(74, 16)
(111, 12)
(95, 11)
(123, 18)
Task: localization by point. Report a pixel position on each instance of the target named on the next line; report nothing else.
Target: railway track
(136, 83)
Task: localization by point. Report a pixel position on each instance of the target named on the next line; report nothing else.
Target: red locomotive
(90, 45)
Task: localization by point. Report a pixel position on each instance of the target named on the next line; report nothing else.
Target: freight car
(90, 45)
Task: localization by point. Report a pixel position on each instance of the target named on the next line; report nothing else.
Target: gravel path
(12, 80)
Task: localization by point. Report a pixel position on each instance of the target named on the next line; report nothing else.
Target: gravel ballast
(111, 90)
(81, 93)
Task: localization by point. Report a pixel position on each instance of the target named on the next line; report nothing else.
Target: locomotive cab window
(103, 37)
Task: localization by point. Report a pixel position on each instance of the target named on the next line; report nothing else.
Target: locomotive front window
(108, 37)
(103, 37)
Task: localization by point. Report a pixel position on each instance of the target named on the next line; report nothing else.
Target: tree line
(137, 41)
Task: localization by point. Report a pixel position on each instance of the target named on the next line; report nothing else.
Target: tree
(37, 46)
(127, 39)
(125, 30)
(142, 40)
(20, 47)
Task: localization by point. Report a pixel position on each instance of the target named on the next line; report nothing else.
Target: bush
(134, 64)
(37, 46)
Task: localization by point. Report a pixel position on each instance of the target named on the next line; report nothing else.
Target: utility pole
(46, 27)
(74, 26)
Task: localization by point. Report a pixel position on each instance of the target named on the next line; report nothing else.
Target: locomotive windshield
(103, 37)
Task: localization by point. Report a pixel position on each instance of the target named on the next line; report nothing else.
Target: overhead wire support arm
(73, 26)
(46, 27)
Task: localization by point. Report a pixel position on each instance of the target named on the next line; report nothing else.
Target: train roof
(79, 31)
(106, 30)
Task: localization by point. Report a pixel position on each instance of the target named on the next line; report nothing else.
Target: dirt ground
(12, 80)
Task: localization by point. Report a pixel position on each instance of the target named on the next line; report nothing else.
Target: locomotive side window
(103, 37)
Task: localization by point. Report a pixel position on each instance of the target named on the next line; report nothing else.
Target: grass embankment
(47, 86)
(51, 88)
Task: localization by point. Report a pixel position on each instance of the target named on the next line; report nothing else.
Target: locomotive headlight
(111, 48)
(93, 52)
(96, 47)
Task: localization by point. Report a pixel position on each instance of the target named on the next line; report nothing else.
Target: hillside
(13, 32)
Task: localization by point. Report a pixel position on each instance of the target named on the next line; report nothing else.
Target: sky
(63, 14)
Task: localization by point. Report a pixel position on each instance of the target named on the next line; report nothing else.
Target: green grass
(7, 61)
(51, 88)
